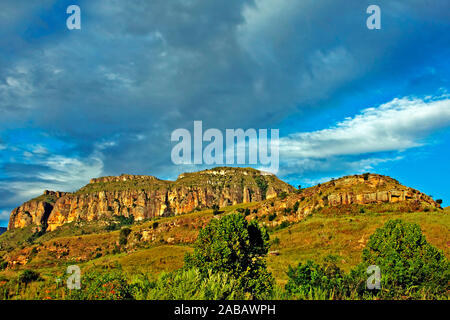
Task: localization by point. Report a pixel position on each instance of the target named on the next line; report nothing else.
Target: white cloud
(395, 126)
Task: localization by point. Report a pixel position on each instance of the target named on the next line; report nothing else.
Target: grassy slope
(345, 236)
(313, 238)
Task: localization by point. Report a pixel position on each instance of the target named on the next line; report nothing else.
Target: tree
(28, 276)
(237, 247)
(408, 263)
(439, 201)
(123, 237)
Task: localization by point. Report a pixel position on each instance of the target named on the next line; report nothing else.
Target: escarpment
(344, 195)
(147, 196)
(35, 211)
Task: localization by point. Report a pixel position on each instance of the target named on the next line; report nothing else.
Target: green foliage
(123, 236)
(272, 216)
(247, 212)
(366, 176)
(296, 205)
(408, 263)
(439, 201)
(283, 225)
(410, 268)
(311, 280)
(237, 247)
(103, 286)
(282, 195)
(28, 276)
(125, 221)
(120, 221)
(192, 284)
(262, 185)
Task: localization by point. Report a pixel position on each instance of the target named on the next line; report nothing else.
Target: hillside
(334, 218)
(145, 197)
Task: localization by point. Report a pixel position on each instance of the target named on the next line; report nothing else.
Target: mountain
(145, 197)
(336, 217)
(349, 194)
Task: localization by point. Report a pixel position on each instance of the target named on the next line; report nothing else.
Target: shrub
(155, 225)
(3, 264)
(314, 281)
(237, 247)
(283, 225)
(103, 286)
(247, 212)
(439, 201)
(192, 284)
(262, 185)
(272, 216)
(123, 237)
(409, 264)
(296, 205)
(28, 276)
(283, 195)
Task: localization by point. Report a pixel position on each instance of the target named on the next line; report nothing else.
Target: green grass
(345, 236)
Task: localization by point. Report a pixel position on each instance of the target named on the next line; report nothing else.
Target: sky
(104, 100)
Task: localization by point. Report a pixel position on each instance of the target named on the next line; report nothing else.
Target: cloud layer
(105, 99)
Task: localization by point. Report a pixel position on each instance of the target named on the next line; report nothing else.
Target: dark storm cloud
(137, 70)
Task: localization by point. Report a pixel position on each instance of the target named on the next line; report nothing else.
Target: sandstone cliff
(147, 197)
(344, 195)
(35, 211)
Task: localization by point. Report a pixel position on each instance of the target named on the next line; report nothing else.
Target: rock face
(384, 189)
(35, 211)
(342, 194)
(147, 197)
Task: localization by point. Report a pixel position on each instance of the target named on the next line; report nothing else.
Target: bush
(237, 247)
(272, 216)
(123, 237)
(3, 264)
(28, 276)
(155, 225)
(192, 284)
(283, 195)
(314, 281)
(296, 205)
(409, 264)
(103, 286)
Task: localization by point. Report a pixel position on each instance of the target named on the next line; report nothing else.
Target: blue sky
(104, 100)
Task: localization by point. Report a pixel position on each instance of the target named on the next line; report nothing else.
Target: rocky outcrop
(391, 196)
(341, 196)
(146, 196)
(373, 188)
(35, 211)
